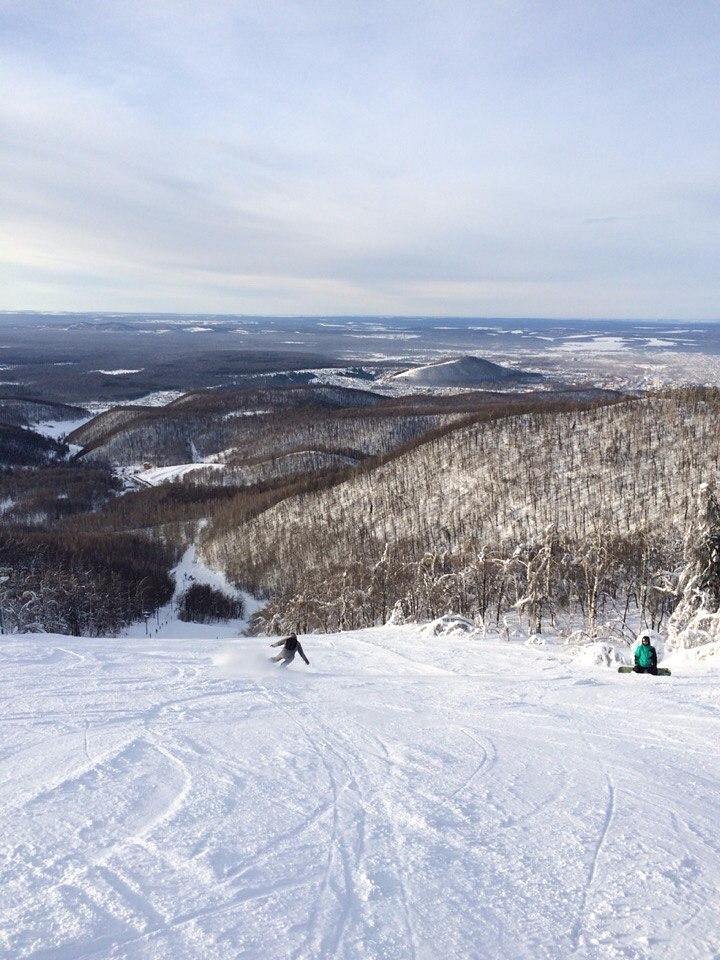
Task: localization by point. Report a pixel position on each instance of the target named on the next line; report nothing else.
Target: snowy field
(401, 798)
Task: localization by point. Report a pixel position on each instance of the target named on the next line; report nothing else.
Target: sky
(509, 158)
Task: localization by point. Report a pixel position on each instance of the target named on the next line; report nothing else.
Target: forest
(541, 517)
(564, 512)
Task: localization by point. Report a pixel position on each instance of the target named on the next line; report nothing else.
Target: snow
(459, 371)
(119, 372)
(158, 398)
(404, 797)
(189, 570)
(245, 413)
(384, 336)
(695, 659)
(58, 429)
(450, 625)
(598, 344)
(603, 654)
(152, 476)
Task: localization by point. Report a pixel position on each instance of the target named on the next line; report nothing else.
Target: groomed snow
(404, 797)
(152, 476)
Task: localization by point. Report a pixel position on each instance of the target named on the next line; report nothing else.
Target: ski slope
(401, 799)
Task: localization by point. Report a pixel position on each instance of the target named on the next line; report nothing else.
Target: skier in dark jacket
(290, 646)
(645, 656)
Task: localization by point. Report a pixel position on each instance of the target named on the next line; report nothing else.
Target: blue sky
(485, 158)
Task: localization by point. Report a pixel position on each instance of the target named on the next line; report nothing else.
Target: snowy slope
(465, 371)
(188, 571)
(152, 476)
(401, 798)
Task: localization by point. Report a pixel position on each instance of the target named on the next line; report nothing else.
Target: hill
(468, 372)
(21, 447)
(294, 430)
(620, 477)
(24, 411)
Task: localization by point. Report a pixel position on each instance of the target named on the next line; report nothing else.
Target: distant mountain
(466, 371)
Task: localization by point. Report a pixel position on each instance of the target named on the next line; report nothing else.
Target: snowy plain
(403, 797)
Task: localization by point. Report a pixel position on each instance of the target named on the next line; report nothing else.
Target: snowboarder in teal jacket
(645, 656)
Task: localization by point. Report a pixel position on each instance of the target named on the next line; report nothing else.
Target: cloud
(333, 157)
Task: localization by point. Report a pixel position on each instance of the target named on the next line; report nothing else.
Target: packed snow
(412, 794)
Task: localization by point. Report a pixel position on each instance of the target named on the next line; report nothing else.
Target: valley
(338, 487)
(359, 481)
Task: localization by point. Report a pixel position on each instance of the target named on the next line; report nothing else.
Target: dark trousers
(637, 669)
(287, 657)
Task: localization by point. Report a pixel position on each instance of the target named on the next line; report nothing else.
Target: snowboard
(662, 671)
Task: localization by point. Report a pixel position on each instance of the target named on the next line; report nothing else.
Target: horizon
(326, 315)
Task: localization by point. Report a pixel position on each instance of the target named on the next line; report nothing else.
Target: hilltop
(468, 371)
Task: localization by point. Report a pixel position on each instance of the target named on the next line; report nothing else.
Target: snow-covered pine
(696, 618)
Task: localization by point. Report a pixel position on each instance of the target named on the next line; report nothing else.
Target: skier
(290, 646)
(645, 656)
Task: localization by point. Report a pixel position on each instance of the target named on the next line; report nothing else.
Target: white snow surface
(119, 372)
(152, 476)
(401, 799)
(191, 569)
(158, 398)
(58, 429)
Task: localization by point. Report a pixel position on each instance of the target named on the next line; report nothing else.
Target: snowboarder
(645, 656)
(290, 646)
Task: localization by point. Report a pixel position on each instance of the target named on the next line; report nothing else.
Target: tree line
(605, 582)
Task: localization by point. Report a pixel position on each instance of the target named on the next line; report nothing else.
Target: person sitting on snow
(645, 656)
(290, 646)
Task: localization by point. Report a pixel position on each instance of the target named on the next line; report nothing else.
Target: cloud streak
(504, 158)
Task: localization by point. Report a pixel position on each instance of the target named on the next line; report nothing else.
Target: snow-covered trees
(85, 587)
(550, 583)
(200, 603)
(624, 470)
(538, 516)
(536, 560)
(696, 619)
(183, 434)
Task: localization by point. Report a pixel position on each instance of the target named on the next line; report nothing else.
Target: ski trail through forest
(401, 799)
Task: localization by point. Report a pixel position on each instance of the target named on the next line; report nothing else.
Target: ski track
(401, 799)
(577, 935)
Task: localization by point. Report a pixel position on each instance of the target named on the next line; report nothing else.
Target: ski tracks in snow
(577, 932)
(335, 899)
(448, 806)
